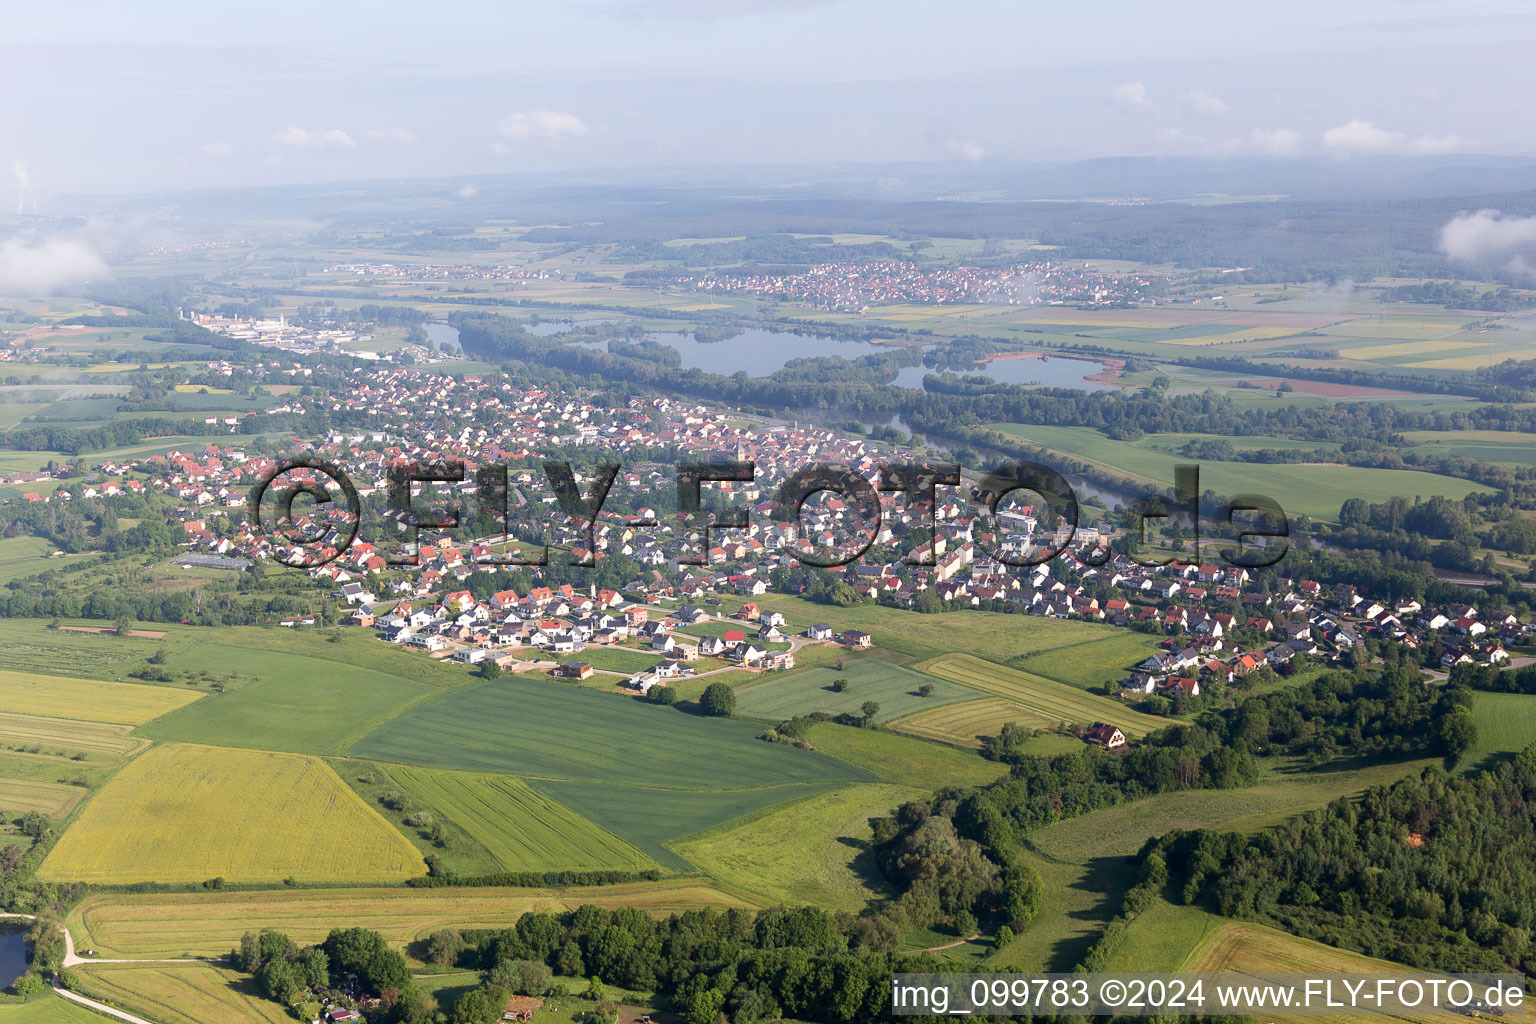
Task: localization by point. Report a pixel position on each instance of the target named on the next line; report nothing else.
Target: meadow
(905, 759)
(1093, 665)
(24, 556)
(652, 820)
(813, 852)
(89, 700)
(47, 1009)
(1506, 725)
(211, 923)
(308, 701)
(29, 645)
(1046, 700)
(1079, 900)
(504, 825)
(1315, 490)
(536, 728)
(996, 636)
(182, 814)
(180, 993)
(776, 697)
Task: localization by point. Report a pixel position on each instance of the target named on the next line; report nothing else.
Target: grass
(777, 697)
(812, 852)
(1164, 937)
(1079, 900)
(965, 724)
(538, 728)
(304, 700)
(1045, 700)
(98, 741)
(903, 759)
(1283, 791)
(23, 556)
(1315, 490)
(1091, 665)
(505, 825)
(180, 993)
(88, 700)
(211, 923)
(184, 814)
(47, 1009)
(1506, 725)
(29, 644)
(995, 636)
(651, 819)
(616, 659)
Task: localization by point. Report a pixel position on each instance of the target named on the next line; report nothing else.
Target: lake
(13, 953)
(760, 352)
(443, 338)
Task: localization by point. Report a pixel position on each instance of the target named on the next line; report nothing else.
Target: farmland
(183, 813)
(180, 993)
(537, 728)
(1091, 665)
(47, 1009)
(1045, 699)
(505, 825)
(777, 697)
(651, 819)
(210, 924)
(995, 636)
(17, 796)
(898, 758)
(99, 741)
(87, 699)
(812, 852)
(299, 702)
(964, 724)
(1316, 490)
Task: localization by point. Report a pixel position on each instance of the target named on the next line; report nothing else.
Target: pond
(443, 338)
(760, 352)
(13, 953)
(1056, 372)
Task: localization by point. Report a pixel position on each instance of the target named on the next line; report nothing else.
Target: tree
(35, 824)
(926, 690)
(661, 695)
(124, 625)
(839, 685)
(870, 709)
(718, 700)
(1458, 732)
(488, 670)
(444, 947)
(28, 985)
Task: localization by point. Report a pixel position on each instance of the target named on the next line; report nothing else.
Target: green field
(1506, 725)
(1044, 700)
(813, 852)
(25, 556)
(651, 819)
(185, 814)
(1092, 665)
(1315, 490)
(1080, 899)
(777, 697)
(904, 759)
(964, 724)
(995, 636)
(306, 702)
(47, 1009)
(536, 728)
(1505, 446)
(505, 825)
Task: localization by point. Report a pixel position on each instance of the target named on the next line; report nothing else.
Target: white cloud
(302, 138)
(37, 267)
(1363, 137)
(1132, 96)
(397, 136)
(216, 149)
(541, 126)
(1487, 235)
(23, 186)
(1275, 141)
(467, 192)
(1202, 102)
(965, 150)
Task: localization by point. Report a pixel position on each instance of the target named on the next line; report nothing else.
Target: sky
(113, 98)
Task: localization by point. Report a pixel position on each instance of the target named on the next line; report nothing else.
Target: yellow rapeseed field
(89, 700)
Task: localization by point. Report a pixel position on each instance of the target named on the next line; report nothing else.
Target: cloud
(467, 192)
(1275, 141)
(397, 136)
(23, 186)
(31, 266)
(1204, 103)
(1363, 137)
(1132, 96)
(1488, 236)
(216, 149)
(965, 150)
(302, 138)
(541, 126)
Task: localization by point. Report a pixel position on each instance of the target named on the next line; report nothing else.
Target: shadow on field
(1106, 879)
